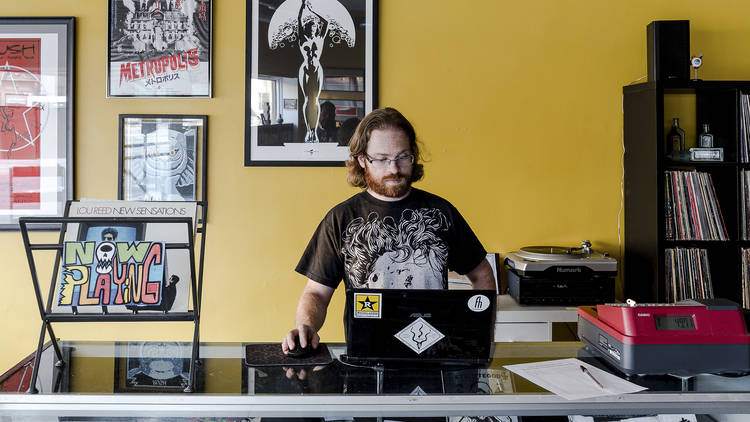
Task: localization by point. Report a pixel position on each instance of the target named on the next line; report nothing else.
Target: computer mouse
(299, 351)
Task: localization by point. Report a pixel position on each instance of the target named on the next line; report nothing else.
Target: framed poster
(310, 77)
(159, 48)
(162, 157)
(36, 117)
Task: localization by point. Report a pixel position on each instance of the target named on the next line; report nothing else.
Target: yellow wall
(518, 104)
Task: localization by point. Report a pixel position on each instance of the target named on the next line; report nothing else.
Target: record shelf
(648, 112)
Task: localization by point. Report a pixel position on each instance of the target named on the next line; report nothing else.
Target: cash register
(685, 338)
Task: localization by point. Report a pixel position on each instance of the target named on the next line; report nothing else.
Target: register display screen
(674, 323)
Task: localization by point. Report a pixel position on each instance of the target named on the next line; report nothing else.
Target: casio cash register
(685, 338)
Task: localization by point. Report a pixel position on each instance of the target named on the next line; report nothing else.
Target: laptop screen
(419, 326)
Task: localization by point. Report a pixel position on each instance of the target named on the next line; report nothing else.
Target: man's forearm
(311, 310)
(482, 277)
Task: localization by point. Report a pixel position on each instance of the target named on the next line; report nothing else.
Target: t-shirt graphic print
(411, 243)
(397, 254)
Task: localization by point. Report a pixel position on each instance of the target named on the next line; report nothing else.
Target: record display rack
(47, 314)
(648, 112)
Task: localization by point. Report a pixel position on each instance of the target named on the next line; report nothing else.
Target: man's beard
(391, 191)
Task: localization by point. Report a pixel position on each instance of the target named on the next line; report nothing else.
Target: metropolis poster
(159, 48)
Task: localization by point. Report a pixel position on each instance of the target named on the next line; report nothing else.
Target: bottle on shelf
(675, 140)
(706, 139)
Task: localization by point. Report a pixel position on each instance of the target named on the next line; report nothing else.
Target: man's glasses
(401, 161)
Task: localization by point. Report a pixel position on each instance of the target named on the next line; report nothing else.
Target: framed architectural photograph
(162, 157)
(36, 117)
(159, 48)
(310, 77)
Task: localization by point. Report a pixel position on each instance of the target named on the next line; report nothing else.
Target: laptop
(416, 327)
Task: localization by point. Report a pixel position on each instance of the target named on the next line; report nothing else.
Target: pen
(586, 371)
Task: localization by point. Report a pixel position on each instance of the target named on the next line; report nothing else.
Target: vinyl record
(549, 252)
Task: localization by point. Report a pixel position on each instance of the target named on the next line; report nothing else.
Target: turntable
(556, 275)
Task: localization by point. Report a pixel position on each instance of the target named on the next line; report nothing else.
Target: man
(390, 235)
(109, 234)
(345, 132)
(326, 129)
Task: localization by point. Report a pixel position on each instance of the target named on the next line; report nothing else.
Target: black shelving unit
(645, 124)
(48, 316)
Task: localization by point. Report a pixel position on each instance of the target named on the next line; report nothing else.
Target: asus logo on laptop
(418, 315)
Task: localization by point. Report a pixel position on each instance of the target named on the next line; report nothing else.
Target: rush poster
(20, 124)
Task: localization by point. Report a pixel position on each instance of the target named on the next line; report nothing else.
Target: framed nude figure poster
(310, 78)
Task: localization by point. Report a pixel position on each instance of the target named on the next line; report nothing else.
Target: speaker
(668, 50)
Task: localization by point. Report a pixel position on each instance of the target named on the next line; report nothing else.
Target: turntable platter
(549, 252)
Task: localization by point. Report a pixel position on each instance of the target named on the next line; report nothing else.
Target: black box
(560, 291)
(668, 44)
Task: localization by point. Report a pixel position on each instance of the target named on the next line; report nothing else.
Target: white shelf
(516, 322)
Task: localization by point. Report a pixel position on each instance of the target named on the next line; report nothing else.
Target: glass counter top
(148, 379)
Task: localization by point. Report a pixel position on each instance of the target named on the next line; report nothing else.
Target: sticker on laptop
(367, 305)
(419, 335)
(418, 392)
(478, 303)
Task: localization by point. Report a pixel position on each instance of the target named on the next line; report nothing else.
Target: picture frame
(162, 157)
(301, 108)
(159, 48)
(37, 65)
(151, 366)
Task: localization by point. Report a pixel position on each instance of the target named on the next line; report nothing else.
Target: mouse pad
(270, 354)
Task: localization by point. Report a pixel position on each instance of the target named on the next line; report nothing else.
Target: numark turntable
(556, 275)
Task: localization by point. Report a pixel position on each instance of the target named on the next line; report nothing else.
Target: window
(265, 100)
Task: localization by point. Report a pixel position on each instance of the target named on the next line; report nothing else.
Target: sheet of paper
(565, 378)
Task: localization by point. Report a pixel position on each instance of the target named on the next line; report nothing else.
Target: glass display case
(144, 381)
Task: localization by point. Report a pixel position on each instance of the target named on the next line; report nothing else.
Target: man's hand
(300, 337)
(311, 313)
(300, 373)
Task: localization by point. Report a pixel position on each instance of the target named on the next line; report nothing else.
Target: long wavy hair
(381, 118)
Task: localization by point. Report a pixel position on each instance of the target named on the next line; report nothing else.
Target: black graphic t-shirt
(411, 243)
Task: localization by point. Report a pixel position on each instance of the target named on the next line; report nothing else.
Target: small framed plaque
(706, 154)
